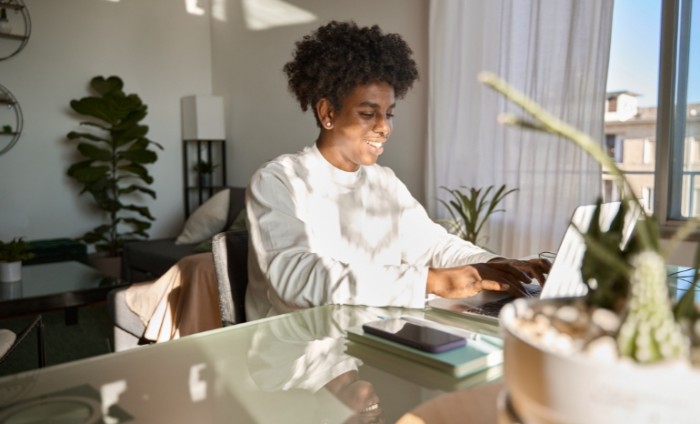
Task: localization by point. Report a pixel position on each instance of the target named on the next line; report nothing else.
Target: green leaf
(106, 85)
(141, 210)
(73, 135)
(93, 152)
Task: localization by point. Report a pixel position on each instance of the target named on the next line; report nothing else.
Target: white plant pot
(545, 387)
(11, 290)
(10, 271)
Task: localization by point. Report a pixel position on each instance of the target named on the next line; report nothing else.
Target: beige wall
(160, 51)
(164, 53)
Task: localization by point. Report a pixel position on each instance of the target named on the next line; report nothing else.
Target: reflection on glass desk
(55, 285)
(292, 368)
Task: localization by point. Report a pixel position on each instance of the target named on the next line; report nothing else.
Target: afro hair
(339, 56)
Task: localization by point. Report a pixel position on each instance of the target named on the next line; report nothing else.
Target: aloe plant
(471, 209)
(114, 152)
(630, 280)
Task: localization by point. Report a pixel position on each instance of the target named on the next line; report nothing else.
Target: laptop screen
(564, 278)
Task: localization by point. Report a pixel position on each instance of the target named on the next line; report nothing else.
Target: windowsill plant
(471, 209)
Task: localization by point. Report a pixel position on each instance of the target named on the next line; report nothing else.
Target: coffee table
(56, 285)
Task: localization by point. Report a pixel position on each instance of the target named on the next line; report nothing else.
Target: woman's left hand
(534, 268)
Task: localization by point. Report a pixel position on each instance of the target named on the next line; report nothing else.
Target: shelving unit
(15, 29)
(196, 189)
(10, 114)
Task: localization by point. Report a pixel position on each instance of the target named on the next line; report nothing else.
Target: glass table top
(292, 368)
(53, 278)
(52, 286)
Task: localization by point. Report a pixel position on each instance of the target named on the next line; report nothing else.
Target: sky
(634, 51)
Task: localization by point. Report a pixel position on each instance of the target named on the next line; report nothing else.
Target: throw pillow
(206, 220)
(238, 225)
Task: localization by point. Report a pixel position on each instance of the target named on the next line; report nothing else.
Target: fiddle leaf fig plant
(114, 152)
(471, 209)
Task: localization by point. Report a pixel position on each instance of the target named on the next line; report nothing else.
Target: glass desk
(287, 369)
(55, 285)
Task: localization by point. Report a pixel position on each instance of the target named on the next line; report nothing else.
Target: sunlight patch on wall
(266, 14)
(218, 10)
(193, 7)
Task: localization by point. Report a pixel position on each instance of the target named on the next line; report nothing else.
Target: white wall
(160, 51)
(163, 53)
(265, 120)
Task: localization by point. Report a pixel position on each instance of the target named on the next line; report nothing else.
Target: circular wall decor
(11, 120)
(15, 27)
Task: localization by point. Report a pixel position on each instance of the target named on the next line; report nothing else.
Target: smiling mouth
(371, 407)
(375, 144)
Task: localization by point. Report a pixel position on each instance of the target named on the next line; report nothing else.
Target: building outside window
(652, 112)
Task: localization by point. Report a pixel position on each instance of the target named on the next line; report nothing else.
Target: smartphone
(414, 335)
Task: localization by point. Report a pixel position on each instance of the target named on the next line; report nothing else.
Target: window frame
(671, 112)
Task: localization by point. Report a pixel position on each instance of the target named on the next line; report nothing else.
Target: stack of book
(480, 354)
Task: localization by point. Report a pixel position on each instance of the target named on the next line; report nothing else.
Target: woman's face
(358, 131)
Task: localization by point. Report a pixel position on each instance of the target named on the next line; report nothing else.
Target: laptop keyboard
(494, 308)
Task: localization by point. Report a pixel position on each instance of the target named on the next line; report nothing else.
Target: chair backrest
(230, 250)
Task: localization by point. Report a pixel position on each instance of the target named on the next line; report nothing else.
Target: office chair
(230, 250)
(9, 340)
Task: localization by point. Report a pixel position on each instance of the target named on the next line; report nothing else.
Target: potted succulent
(624, 352)
(471, 209)
(12, 254)
(113, 153)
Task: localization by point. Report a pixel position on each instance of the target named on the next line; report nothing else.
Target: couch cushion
(153, 257)
(208, 219)
(213, 216)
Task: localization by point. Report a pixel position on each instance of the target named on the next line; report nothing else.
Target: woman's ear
(325, 113)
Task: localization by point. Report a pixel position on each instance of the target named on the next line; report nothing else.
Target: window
(653, 103)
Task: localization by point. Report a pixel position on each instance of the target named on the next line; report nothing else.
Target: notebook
(564, 278)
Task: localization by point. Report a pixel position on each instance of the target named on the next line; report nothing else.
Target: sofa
(150, 259)
(145, 260)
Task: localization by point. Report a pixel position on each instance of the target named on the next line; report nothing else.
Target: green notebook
(478, 354)
(422, 375)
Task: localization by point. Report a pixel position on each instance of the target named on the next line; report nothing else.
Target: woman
(330, 226)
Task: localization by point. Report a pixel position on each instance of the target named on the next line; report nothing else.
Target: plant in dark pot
(114, 152)
(12, 253)
(626, 351)
(204, 170)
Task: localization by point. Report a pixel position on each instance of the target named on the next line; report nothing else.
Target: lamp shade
(202, 117)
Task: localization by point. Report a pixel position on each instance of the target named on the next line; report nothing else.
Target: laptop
(564, 278)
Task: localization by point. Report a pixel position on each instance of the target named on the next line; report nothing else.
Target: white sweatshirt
(320, 235)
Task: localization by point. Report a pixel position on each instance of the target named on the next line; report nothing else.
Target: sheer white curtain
(556, 51)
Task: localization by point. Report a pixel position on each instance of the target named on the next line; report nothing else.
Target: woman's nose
(383, 125)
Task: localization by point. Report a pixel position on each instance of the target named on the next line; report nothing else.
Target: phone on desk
(414, 335)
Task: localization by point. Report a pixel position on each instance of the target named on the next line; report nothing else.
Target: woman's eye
(389, 115)
(366, 115)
